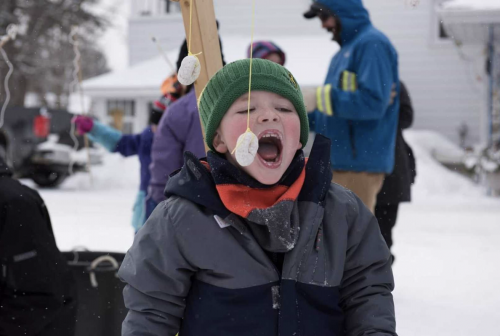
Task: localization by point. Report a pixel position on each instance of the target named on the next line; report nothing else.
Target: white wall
(168, 30)
(99, 109)
(276, 17)
(444, 88)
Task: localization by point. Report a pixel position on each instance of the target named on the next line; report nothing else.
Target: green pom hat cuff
(231, 82)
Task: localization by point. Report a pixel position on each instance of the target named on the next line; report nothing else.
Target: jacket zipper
(351, 139)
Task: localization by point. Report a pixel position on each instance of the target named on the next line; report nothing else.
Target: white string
(74, 86)
(6, 86)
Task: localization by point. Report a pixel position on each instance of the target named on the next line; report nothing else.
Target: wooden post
(205, 39)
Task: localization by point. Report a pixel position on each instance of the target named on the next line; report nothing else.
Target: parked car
(39, 145)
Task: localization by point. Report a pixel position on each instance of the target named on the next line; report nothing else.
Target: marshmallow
(12, 30)
(189, 70)
(246, 148)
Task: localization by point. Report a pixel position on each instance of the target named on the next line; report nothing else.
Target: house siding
(447, 91)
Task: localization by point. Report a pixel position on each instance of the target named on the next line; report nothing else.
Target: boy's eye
(245, 111)
(283, 109)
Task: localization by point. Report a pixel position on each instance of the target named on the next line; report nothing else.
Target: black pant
(386, 215)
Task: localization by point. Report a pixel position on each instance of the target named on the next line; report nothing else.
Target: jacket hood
(352, 14)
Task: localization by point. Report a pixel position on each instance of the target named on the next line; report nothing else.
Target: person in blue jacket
(130, 144)
(357, 107)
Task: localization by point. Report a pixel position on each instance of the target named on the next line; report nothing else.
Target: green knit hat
(231, 82)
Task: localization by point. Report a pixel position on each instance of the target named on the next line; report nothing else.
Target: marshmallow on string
(11, 33)
(190, 70)
(248, 143)
(246, 148)
(190, 67)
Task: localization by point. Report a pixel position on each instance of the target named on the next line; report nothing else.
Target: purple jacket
(179, 131)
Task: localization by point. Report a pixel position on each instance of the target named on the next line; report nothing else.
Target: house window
(172, 7)
(443, 35)
(121, 114)
(127, 106)
(439, 35)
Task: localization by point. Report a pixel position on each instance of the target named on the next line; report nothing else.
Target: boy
(270, 249)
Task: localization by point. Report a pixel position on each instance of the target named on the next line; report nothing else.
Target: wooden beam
(205, 39)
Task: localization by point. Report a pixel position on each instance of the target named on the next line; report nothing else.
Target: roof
(468, 5)
(144, 79)
(469, 21)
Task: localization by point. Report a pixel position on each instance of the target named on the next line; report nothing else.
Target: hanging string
(251, 61)
(6, 86)
(249, 78)
(76, 85)
(190, 29)
(190, 24)
(10, 35)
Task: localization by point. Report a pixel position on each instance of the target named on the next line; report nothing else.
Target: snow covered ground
(446, 241)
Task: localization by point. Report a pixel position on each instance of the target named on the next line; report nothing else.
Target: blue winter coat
(127, 145)
(354, 108)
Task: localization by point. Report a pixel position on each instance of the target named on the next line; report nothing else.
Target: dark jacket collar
(4, 169)
(196, 183)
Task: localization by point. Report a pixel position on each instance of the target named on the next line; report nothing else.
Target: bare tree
(42, 54)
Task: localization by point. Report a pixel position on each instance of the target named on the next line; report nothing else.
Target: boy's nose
(268, 115)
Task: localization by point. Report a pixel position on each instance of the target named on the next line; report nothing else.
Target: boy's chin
(265, 175)
(267, 180)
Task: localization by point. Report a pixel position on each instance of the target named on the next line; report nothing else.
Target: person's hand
(394, 93)
(83, 124)
(310, 100)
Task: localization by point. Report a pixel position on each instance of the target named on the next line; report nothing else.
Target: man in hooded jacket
(357, 107)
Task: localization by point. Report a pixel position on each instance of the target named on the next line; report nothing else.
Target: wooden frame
(205, 40)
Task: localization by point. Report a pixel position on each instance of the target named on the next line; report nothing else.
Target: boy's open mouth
(270, 148)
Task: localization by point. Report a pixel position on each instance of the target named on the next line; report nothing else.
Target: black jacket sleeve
(405, 108)
(33, 274)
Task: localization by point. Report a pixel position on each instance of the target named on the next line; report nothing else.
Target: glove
(83, 124)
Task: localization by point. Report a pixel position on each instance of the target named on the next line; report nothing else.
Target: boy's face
(276, 124)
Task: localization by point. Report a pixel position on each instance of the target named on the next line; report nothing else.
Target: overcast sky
(114, 41)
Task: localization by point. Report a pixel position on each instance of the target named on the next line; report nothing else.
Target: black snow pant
(386, 216)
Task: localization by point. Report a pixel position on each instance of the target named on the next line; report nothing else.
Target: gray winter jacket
(196, 270)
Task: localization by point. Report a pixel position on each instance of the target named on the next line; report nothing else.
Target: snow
(79, 104)
(150, 74)
(94, 210)
(114, 40)
(472, 4)
(446, 240)
(434, 181)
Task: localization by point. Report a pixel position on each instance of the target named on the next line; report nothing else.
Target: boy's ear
(219, 144)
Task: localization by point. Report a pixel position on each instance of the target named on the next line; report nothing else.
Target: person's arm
(367, 283)
(405, 108)
(129, 144)
(158, 278)
(168, 148)
(114, 140)
(365, 93)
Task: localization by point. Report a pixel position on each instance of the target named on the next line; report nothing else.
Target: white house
(446, 82)
(477, 23)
